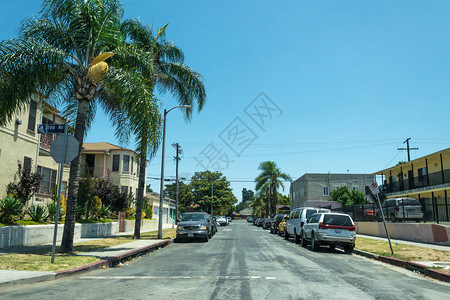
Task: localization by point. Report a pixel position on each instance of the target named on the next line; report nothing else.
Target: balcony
(428, 180)
(46, 140)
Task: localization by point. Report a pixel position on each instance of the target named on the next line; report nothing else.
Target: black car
(260, 222)
(250, 219)
(266, 224)
(275, 222)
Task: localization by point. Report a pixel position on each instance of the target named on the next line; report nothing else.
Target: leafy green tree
(170, 74)
(274, 177)
(241, 205)
(200, 192)
(347, 198)
(283, 199)
(60, 54)
(25, 184)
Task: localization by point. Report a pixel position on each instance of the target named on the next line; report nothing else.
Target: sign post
(63, 150)
(376, 191)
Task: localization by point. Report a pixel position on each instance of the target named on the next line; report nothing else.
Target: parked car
(297, 219)
(255, 220)
(266, 224)
(250, 219)
(282, 225)
(275, 222)
(332, 229)
(222, 220)
(214, 224)
(401, 208)
(195, 225)
(260, 222)
(229, 220)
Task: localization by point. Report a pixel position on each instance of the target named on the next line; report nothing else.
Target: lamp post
(161, 189)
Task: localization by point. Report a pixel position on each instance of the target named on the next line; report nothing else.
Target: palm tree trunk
(267, 205)
(274, 198)
(140, 194)
(72, 191)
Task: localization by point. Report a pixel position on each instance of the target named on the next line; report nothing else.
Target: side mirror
(307, 221)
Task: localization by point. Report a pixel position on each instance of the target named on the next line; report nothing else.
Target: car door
(290, 223)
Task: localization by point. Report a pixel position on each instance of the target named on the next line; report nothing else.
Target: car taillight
(320, 225)
(353, 228)
(397, 208)
(302, 223)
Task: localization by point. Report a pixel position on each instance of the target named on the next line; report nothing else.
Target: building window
(356, 188)
(422, 173)
(126, 163)
(125, 190)
(48, 182)
(32, 116)
(27, 162)
(116, 161)
(326, 191)
(302, 192)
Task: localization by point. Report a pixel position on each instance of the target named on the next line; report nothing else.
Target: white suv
(330, 229)
(297, 219)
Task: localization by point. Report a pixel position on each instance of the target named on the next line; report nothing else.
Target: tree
(347, 198)
(271, 175)
(61, 54)
(171, 74)
(258, 204)
(200, 192)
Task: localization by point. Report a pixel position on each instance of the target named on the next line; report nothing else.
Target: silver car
(402, 209)
(332, 229)
(195, 225)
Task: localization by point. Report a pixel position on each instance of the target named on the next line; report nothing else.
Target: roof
(102, 147)
(413, 161)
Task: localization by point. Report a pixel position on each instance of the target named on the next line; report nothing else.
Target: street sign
(50, 128)
(374, 188)
(56, 149)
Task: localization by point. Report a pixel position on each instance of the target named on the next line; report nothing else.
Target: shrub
(147, 209)
(25, 184)
(10, 208)
(96, 206)
(131, 213)
(38, 213)
(104, 211)
(51, 208)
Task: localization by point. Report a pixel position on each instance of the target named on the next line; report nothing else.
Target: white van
(297, 219)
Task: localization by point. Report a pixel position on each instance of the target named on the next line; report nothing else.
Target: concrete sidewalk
(110, 256)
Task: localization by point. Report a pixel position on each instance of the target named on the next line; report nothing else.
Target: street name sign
(50, 128)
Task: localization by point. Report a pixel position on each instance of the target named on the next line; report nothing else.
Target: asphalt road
(240, 262)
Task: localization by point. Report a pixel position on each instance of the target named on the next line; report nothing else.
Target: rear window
(192, 217)
(310, 212)
(408, 202)
(337, 220)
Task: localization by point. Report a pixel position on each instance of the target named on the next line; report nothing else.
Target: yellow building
(116, 164)
(426, 179)
(20, 142)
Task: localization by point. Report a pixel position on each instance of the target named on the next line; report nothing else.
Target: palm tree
(171, 75)
(60, 53)
(260, 202)
(271, 175)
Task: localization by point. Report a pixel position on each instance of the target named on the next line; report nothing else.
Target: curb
(415, 267)
(105, 263)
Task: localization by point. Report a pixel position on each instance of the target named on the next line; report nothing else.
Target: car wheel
(206, 239)
(271, 230)
(303, 240)
(315, 245)
(279, 233)
(286, 235)
(332, 247)
(296, 239)
(348, 249)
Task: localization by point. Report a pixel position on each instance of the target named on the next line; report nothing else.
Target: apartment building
(313, 189)
(20, 142)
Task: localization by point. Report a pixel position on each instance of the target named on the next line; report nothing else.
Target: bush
(104, 211)
(147, 209)
(10, 208)
(38, 213)
(25, 184)
(51, 208)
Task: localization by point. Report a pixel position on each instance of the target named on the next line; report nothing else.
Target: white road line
(178, 277)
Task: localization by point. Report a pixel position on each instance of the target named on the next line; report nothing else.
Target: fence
(432, 212)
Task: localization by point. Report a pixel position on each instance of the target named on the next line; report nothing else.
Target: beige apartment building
(20, 142)
(116, 164)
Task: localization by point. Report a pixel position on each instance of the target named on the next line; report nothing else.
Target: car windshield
(310, 212)
(409, 202)
(193, 217)
(341, 220)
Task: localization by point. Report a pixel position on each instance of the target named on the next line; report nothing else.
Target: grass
(38, 258)
(401, 251)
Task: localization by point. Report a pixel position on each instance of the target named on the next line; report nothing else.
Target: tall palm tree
(271, 175)
(60, 53)
(261, 201)
(171, 75)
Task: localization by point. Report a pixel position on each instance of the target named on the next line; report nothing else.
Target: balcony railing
(46, 140)
(431, 179)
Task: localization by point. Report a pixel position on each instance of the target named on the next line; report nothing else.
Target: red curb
(438, 275)
(111, 261)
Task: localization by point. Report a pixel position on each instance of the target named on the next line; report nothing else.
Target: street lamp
(161, 190)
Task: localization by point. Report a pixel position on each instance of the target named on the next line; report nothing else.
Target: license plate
(337, 230)
(190, 234)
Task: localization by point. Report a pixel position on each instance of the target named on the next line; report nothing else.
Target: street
(240, 262)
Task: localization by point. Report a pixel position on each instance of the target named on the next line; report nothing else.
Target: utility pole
(212, 196)
(177, 191)
(407, 148)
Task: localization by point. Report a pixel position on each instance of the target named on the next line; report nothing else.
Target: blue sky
(349, 81)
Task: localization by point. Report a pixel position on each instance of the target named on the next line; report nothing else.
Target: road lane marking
(179, 277)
